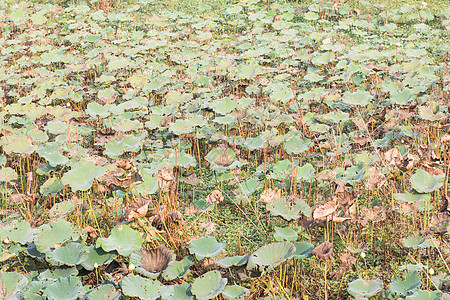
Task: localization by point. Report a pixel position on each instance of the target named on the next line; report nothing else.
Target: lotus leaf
(11, 283)
(208, 286)
(104, 292)
(82, 175)
(365, 288)
(96, 256)
(123, 239)
(51, 187)
(205, 247)
(425, 295)
(54, 234)
(281, 207)
(270, 256)
(297, 145)
(65, 288)
(233, 261)
(71, 254)
(302, 249)
(285, 234)
(404, 287)
(417, 241)
(136, 286)
(19, 232)
(234, 292)
(176, 292)
(177, 269)
(62, 209)
(423, 182)
(223, 106)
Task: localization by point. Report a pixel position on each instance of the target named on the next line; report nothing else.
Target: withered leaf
(323, 251)
(214, 197)
(157, 259)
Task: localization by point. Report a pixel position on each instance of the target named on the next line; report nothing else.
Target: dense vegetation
(193, 150)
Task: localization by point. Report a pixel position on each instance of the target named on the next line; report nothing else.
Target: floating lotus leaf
(270, 256)
(417, 241)
(233, 261)
(143, 288)
(285, 234)
(82, 175)
(234, 292)
(208, 286)
(7, 174)
(176, 292)
(54, 234)
(425, 295)
(65, 288)
(404, 287)
(104, 292)
(59, 272)
(123, 239)
(96, 256)
(423, 182)
(205, 247)
(302, 249)
(178, 269)
(70, 254)
(51, 187)
(281, 207)
(365, 288)
(11, 283)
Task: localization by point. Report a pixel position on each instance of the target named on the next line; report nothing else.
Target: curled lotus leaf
(270, 256)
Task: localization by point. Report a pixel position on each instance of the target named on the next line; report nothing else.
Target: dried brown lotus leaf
(347, 259)
(193, 180)
(393, 156)
(157, 259)
(224, 158)
(166, 174)
(209, 227)
(190, 210)
(347, 163)
(18, 198)
(374, 214)
(361, 140)
(124, 164)
(325, 209)
(341, 195)
(323, 251)
(336, 219)
(91, 231)
(375, 179)
(327, 175)
(268, 195)
(408, 162)
(214, 197)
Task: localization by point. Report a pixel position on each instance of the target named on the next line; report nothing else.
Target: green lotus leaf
(33, 290)
(232, 261)
(417, 241)
(311, 16)
(53, 235)
(323, 58)
(181, 127)
(285, 234)
(176, 292)
(208, 286)
(403, 287)
(70, 254)
(65, 288)
(281, 92)
(425, 295)
(255, 143)
(281, 207)
(223, 106)
(233, 9)
(19, 232)
(270, 256)
(412, 197)
(297, 145)
(94, 109)
(205, 247)
(51, 187)
(129, 143)
(19, 144)
(104, 292)
(96, 256)
(365, 288)
(118, 63)
(143, 288)
(62, 209)
(249, 186)
(56, 127)
(359, 97)
(305, 172)
(302, 249)
(246, 71)
(59, 272)
(177, 269)
(228, 120)
(82, 175)
(125, 125)
(12, 283)
(122, 239)
(234, 292)
(402, 97)
(423, 182)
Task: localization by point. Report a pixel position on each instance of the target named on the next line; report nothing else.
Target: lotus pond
(205, 149)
